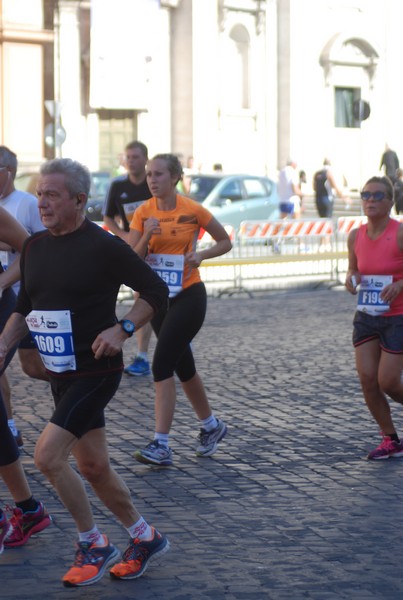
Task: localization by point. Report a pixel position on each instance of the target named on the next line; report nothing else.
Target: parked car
(236, 198)
(100, 181)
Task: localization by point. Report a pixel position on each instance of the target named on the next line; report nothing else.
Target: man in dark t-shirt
(125, 194)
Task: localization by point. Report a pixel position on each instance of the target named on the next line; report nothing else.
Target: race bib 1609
(52, 332)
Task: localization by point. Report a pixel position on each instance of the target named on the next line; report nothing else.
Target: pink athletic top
(381, 257)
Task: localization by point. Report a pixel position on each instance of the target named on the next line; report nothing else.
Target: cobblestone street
(287, 509)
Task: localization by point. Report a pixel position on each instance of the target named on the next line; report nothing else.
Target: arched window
(236, 92)
(349, 65)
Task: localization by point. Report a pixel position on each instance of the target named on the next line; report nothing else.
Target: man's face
(135, 161)
(59, 212)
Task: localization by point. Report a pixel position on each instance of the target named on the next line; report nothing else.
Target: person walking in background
(164, 231)
(375, 263)
(23, 207)
(389, 162)
(71, 274)
(289, 191)
(29, 515)
(398, 189)
(326, 188)
(125, 195)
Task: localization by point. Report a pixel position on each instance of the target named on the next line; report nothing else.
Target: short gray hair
(77, 176)
(8, 158)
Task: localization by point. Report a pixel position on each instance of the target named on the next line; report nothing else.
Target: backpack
(319, 183)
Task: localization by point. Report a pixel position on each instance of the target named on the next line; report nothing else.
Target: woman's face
(375, 200)
(159, 179)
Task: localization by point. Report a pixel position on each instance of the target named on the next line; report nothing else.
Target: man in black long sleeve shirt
(71, 275)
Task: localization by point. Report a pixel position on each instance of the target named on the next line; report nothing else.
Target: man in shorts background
(289, 191)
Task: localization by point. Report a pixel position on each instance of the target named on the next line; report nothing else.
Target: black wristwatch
(127, 326)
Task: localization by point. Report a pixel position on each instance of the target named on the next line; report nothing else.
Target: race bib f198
(369, 295)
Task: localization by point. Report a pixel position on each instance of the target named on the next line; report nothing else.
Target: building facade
(246, 83)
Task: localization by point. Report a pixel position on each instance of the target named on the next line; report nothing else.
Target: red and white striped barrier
(258, 230)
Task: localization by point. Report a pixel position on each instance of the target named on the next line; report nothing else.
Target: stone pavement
(288, 508)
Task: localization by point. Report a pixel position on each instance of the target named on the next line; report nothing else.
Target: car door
(259, 203)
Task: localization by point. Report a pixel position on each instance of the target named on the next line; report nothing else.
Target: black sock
(29, 505)
(394, 437)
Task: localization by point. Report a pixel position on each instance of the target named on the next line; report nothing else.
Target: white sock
(162, 438)
(93, 536)
(140, 530)
(12, 427)
(143, 355)
(209, 424)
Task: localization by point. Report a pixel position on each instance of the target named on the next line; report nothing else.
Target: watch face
(128, 326)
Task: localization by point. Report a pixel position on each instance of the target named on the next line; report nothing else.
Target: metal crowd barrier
(272, 254)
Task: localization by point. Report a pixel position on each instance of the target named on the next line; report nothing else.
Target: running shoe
(154, 454)
(5, 528)
(209, 439)
(388, 448)
(139, 367)
(25, 524)
(137, 556)
(90, 563)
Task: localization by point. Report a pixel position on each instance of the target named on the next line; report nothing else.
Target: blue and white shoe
(138, 367)
(209, 439)
(154, 454)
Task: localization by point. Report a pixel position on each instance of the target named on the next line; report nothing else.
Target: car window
(201, 186)
(254, 188)
(100, 182)
(232, 190)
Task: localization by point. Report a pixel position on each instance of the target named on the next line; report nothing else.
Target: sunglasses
(378, 196)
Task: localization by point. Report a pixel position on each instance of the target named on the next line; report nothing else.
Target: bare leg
(92, 457)
(16, 481)
(371, 365)
(51, 456)
(195, 392)
(165, 401)
(143, 336)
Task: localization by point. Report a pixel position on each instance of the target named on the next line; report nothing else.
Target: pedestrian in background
(326, 188)
(289, 191)
(389, 162)
(398, 189)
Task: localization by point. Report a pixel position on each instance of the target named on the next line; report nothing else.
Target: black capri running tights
(175, 327)
(8, 448)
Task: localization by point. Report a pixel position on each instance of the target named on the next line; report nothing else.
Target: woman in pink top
(376, 266)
